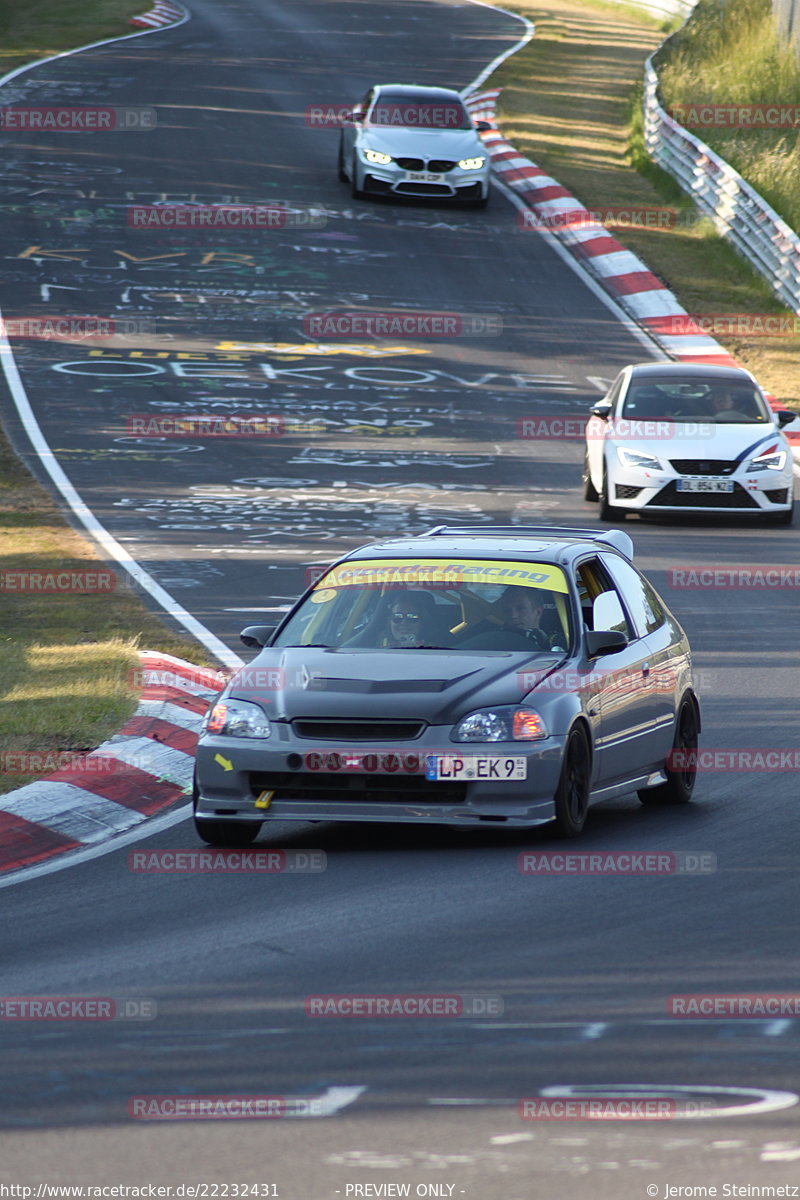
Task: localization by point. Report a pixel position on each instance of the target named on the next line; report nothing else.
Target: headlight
(635, 458)
(236, 718)
(771, 459)
(471, 164)
(501, 725)
(375, 156)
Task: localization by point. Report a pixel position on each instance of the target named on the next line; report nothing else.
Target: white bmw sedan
(680, 437)
(414, 141)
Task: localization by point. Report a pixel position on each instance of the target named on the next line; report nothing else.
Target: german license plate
(703, 484)
(441, 766)
(424, 177)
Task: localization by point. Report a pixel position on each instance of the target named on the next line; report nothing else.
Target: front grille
(424, 189)
(703, 466)
(440, 165)
(624, 491)
(366, 789)
(355, 732)
(672, 498)
(411, 164)
(777, 495)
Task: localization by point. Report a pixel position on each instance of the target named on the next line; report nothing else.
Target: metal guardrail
(739, 213)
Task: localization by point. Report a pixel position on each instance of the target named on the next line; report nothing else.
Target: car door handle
(646, 668)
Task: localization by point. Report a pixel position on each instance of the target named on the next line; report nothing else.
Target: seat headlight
(377, 156)
(236, 718)
(771, 459)
(501, 725)
(472, 164)
(637, 458)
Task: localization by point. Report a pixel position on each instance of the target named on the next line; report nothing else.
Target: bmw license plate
(704, 484)
(482, 767)
(424, 177)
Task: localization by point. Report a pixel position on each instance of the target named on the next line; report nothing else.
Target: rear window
(380, 604)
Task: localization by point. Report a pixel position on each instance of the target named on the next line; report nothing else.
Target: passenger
(411, 620)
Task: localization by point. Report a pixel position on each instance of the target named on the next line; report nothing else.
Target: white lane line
(777, 1028)
(72, 858)
(495, 63)
(576, 267)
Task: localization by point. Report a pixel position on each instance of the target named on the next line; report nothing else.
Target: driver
(410, 619)
(521, 609)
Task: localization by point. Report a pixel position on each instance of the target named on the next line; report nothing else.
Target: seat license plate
(482, 767)
(424, 177)
(701, 484)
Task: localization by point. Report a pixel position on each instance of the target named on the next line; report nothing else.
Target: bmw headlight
(472, 164)
(771, 459)
(504, 724)
(376, 156)
(636, 458)
(236, 718)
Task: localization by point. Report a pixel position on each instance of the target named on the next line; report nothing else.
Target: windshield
(714, 401)
(419, 110)
(435, 604)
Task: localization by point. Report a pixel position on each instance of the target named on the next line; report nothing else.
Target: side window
(364, 104)
(641, 601)
(592, 580)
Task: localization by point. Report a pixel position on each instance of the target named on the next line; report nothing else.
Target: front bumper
(757, 494)
(382, 783)
(456, 184)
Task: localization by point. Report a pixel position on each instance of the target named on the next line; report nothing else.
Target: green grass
(31, 29)
(732, 54)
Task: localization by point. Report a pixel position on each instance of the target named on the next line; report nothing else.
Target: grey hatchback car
(497, 675)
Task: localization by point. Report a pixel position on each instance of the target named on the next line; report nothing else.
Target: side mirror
(602, 410)
(356, 115)
(257, 636)
(483, 126)
(604, 641)
(607, 613)
(785, 416)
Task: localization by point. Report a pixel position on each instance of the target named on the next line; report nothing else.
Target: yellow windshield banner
(409, 572)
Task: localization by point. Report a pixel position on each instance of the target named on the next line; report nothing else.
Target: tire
(223, 833)
(680, 784)
(589, 490)
(572, 794)
(355, 190)
(340, 164)
(607, 511)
